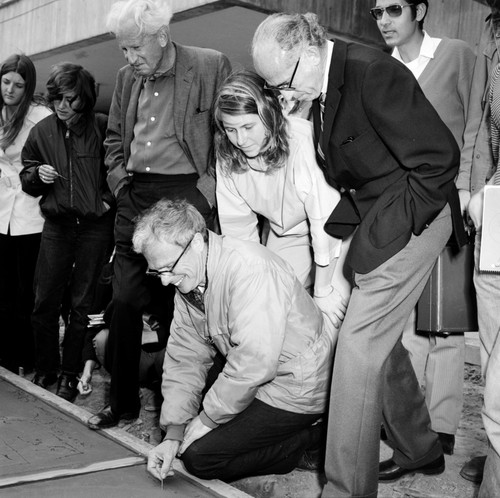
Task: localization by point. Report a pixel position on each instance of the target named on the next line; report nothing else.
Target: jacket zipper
(70, 163)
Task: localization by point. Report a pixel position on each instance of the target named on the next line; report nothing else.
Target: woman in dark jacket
(63, 162)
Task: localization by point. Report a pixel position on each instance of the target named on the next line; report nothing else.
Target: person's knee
(198, 464)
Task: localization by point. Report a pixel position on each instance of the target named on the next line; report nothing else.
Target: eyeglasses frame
(385, 9)
(283, 86)
(159, 273)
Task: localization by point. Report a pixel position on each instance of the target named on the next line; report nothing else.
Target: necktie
(195, 297)
(321, 100)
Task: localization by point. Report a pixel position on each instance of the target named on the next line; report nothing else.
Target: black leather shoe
(391, 471)
(473, 469)
(447, 442)
(44, 380)
(66, 387)
(108, 418)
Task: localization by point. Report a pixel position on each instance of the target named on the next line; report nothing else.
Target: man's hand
(333, 305)
(475, 208)
(161, 458)
(464, 197)
(195, 430)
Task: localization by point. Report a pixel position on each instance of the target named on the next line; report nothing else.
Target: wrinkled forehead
(129, 34)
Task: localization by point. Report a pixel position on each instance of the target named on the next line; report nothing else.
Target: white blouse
(296, 199)
(18, 209)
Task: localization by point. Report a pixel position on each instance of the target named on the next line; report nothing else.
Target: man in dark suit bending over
(382, 144)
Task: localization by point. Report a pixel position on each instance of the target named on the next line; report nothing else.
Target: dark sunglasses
(284, 86)
(159, 273)
(394, 10)
(70, 100)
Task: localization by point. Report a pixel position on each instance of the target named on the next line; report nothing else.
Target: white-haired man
(158, 145)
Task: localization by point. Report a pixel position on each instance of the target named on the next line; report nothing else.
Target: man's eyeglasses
(394, 10)
(159, 273)
(287, 87)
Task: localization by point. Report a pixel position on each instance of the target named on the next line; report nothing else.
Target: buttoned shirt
(155, 148)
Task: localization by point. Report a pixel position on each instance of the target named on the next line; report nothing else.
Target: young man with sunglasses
(383, 146)
(236, 299)
(443, 68)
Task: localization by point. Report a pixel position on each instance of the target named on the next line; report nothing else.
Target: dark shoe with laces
(44, 379)
(108, 418)
(389, 470)
(66, 387)
(447, 442)
(473, 469)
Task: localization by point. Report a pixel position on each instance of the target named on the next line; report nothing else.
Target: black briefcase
(448, 302)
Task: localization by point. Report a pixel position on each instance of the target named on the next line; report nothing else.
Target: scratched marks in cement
(35, 437)
(132, 482)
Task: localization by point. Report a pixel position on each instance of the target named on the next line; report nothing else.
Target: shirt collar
(329, 53)
(427, 49)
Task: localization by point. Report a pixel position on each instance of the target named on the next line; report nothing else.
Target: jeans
(72, 254)
(18, 255)
(258, 441)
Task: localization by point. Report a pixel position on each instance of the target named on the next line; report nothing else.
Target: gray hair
(149, 16)
(172, 221)
(292, 32)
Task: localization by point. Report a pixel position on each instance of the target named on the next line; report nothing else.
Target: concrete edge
(118, 435)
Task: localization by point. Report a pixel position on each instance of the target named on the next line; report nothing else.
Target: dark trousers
(131, 291)
(260, 440)
(72, 254)
(18, 255)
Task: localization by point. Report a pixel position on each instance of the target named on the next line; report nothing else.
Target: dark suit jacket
(387, 151)
(198, 74)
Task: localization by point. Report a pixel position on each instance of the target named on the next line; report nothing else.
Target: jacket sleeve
(31, 159)
(417, 138)
(235, 216)
(478, 105)
(319, 199)
(257, 338)
(114, 158)
(188, 358)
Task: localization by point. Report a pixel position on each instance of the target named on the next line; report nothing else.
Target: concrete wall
(37, 26)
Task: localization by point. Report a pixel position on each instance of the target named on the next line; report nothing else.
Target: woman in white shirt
(20, 219)
(266, 165)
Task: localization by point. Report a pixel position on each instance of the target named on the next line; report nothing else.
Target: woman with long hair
(21, 221)
(266, 167)
(63, 162)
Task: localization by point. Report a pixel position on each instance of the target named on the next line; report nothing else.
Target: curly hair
(148, 16)
(241, 93)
